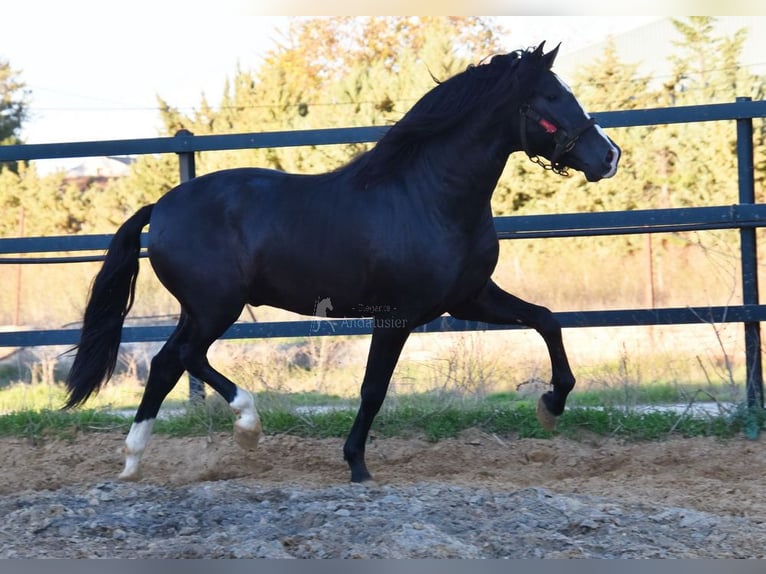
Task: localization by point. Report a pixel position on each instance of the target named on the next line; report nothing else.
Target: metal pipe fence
(746, 216)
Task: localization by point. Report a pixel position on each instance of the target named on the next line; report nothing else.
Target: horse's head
(555, 126)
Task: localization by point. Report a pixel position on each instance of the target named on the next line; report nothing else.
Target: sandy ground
(725, 477)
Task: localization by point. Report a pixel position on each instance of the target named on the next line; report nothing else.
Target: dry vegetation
(562, 274)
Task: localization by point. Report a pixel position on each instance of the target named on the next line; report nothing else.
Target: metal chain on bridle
(563, 139)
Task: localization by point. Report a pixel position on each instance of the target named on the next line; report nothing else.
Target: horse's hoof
(125, 476)
(361, 476)
(131, 472)
(545, 417)
(369, 483)
(247, 439)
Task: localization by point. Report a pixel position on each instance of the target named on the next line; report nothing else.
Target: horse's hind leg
(164, 373)
(247, 427)
(185, 350)
(204, 330)
(493, 305)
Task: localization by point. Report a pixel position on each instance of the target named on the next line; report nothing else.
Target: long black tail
(111, 298)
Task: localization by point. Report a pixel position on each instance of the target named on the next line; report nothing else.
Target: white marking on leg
(247, 427)
(244, 405)
(135, 444)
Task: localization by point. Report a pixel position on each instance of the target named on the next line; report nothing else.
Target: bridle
(563, 139)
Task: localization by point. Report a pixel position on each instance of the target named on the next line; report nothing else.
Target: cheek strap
(564, 141)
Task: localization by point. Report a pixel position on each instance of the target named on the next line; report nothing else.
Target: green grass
(59, 424)
(647, 426)
(433, 416)
(657, 393)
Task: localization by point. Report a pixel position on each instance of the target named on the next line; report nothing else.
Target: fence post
(749, 254)
(187, 171)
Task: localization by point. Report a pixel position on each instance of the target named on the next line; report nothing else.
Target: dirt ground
(725, 477)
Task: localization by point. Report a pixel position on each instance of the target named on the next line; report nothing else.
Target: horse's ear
(538, 52)
(550, 56)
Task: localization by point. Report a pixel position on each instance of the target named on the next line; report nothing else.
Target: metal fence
(746, 216)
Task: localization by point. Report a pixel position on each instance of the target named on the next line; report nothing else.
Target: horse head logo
(321, 307)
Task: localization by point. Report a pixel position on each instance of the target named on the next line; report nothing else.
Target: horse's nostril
(612, 157)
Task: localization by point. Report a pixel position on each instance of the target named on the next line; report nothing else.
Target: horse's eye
(551, 97)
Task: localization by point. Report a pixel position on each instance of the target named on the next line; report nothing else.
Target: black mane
(477, 89)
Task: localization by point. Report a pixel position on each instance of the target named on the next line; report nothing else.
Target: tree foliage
(336, 72)
(666, 165)
(13, 107)
(39, 205)
(360, 71)
(326, 72)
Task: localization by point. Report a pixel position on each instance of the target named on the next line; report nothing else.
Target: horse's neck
(470, 167)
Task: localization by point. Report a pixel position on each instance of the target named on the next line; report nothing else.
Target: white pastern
(247, 427)
(135, 444)
(244, 405)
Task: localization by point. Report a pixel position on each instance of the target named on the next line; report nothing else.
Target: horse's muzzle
(608, 167)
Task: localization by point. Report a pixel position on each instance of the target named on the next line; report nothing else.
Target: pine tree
(606, 84)
(707, 70)
(13, 108)
(328, 72)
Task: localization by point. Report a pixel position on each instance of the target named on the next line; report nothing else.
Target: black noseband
(564, 140)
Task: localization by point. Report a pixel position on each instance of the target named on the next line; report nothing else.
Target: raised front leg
(385, 348)
(493, 305)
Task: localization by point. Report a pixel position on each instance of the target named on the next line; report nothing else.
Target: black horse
(402, 234)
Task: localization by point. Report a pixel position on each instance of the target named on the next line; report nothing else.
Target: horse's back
(289, 241)
(197, 227)
(215, 192)
(212, 206)
(262, 233)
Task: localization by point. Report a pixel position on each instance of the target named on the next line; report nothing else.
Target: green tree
(360, 71)
(707, 70)
(22, 191)
(706, 66)
(336, 72)
(662, 166)
(605, 84)
(327, 72)
(13, 107)
(611, 84)
(45, 206)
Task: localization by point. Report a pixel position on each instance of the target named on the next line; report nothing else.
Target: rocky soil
(475, 496)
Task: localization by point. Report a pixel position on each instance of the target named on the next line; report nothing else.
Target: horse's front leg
(385, 347)
(493, 305)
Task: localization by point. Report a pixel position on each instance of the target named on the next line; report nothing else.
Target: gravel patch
(241, 519)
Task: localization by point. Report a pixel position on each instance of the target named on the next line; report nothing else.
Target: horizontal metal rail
(745, 216)
(191, 143)
(508, 227)
(186, 143)
(669, 220)
(363, 326)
